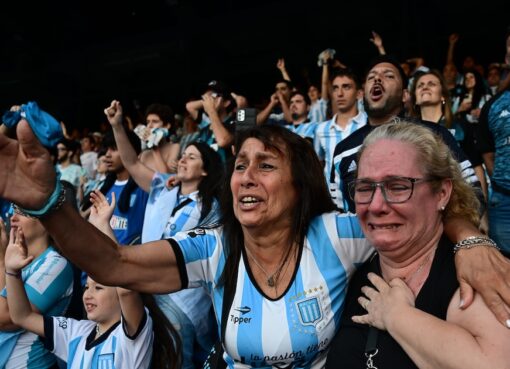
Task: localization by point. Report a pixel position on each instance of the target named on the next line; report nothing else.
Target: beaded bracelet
(474, 241)
(54, 202)
(15, 275)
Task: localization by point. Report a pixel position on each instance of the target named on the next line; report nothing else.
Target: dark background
(75, 58)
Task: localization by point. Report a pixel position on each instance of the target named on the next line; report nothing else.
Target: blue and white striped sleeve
(200, 256)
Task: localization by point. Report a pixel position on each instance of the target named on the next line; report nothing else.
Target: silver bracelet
(474, 241)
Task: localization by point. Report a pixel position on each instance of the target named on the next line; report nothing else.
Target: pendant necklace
(271, 279)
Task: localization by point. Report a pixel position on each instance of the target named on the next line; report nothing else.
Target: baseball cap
(220, 88)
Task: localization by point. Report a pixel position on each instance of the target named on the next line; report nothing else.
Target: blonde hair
(436, 162)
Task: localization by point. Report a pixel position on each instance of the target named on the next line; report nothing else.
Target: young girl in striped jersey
(124, 329)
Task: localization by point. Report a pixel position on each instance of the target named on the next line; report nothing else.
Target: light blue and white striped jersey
(305, 130)
(296, 329)
(161, 220)
(328, 134)
(73, 341)
(318, 111)
(48, 282)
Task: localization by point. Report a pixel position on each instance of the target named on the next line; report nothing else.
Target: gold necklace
(272, 279)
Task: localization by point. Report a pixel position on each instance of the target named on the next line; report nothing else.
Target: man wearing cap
(214, 114)
(384, 97)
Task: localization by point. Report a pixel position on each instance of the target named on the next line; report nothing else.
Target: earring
(443, 101)
(442, 208)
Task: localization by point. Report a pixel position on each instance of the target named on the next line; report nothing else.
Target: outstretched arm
(140, 173)
(27, 178)
(16, 258)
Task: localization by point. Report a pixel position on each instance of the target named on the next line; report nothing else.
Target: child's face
(101, 303)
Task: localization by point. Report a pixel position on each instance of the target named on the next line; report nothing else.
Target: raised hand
(376, 39)
(16, 254)
(114, 113)
(172, 182)
(453, 38)
(101, 211)
(27, 175)
(280, 64)
(240, 100)
(211, 104)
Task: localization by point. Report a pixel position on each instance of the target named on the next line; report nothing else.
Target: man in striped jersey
(346, 91)
(299, 108)
(384, 97)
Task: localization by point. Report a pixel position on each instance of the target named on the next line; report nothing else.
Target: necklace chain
(272, 279)
(408, 280)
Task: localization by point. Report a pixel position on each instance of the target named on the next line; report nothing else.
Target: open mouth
(383, 227)
(377, 92)
(89, 307)
(249, 201)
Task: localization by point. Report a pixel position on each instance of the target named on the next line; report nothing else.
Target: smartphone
(246, 118)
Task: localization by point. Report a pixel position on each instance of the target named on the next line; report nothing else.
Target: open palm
(27, 176)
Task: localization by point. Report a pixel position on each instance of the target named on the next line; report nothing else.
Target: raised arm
(27, 178)
(280, 64)
(452, 40)
(132, 308)
(140, 173)
(287, 115)
(266, 112)
(194, 107)
(378, 43)
(131, 303)
(20, 310)
(325, 77)
(211, 105)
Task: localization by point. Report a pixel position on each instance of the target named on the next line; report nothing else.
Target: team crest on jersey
(105, 361)
(310, 311)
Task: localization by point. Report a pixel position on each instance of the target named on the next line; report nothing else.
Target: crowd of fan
(163, 175)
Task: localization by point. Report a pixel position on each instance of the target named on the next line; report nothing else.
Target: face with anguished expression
(428, 90)
(264, 195)
(397, 228)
